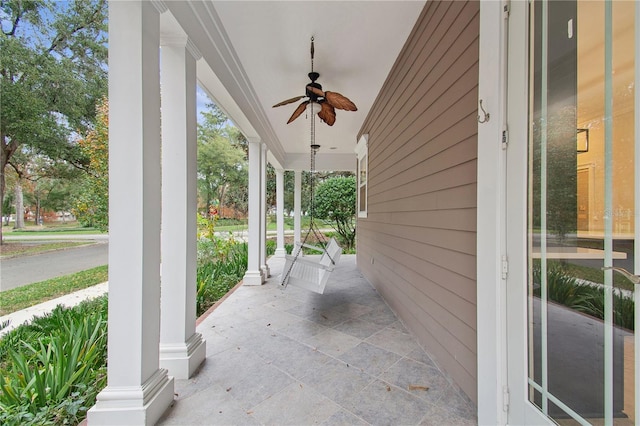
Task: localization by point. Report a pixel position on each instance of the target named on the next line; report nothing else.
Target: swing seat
(310, 274)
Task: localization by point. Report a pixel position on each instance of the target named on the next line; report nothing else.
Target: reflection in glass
(581, 213)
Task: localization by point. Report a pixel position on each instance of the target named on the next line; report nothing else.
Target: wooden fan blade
(339, 101)
(289, 101)
(327, 113)
(315, 90)
(298, 111)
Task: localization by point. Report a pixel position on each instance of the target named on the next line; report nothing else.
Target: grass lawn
(271, 225)
(13, 248)
(50, 228)
(32, 294)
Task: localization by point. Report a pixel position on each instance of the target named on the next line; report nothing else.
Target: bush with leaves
(92, 203)
(222, 263)
(567, 290)
(335, 200)
(53, 368)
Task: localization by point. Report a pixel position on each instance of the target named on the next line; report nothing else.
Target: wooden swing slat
(310, 274)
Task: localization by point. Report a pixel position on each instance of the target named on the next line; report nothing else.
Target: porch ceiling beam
(324, 162)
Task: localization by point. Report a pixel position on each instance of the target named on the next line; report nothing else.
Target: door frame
(521, 410)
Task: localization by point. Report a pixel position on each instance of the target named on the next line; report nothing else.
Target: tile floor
(293, 357)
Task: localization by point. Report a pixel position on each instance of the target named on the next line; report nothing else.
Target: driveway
(22, 270)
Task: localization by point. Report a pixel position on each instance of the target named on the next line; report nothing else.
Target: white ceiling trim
(227, 82)
(256, 53)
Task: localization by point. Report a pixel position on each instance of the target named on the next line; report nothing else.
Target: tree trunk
(37, 219)
(19, 223)
(221, 193)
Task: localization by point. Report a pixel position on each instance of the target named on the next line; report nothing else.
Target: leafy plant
(53, 368)
(220, 268)
(335, 200)
(92, 203)
(589, 299)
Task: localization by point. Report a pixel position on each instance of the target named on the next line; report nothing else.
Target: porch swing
(298, 271)
(306, 273)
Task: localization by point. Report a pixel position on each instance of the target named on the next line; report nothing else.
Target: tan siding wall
(418, 244)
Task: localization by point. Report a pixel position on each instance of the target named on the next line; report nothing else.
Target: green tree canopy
(335, 200)
(91, 205)
(52, 73)
(222, 162)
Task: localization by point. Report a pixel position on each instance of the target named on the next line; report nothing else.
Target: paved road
(18, 271)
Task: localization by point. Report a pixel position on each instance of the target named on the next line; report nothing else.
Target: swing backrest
(331, 252)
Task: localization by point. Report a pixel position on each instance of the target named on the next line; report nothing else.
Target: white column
(280, 251)
(182, 350)
(137, 391)
(263, 214)
(254, 275)
(297, 205)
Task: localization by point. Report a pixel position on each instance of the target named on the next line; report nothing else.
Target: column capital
(254, 139)
(176, 40)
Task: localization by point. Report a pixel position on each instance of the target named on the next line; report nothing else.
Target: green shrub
(219, 270)
(53, 368)
(270, 247)
(565, 289)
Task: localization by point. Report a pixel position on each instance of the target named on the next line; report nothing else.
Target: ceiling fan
(328, 101)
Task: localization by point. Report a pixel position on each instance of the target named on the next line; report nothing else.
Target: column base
(266, 272)
(280, 252)
(127, 405)
(253, 278)
(182, 359)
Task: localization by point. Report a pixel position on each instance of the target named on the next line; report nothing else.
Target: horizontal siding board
(408, 57)
(459, 175)
(413, 152)
(440, 318)
(451, 198)
(455, 220)
(463, 130)
(461, 155)
(428, 44)
(453, 356)
(457, 57)
(421, 131)
(462, 263)
(417, 245)
(439, 283)
(462, 241)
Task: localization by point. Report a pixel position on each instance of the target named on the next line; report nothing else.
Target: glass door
(581, 212)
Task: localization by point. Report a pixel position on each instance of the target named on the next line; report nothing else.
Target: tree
(52, 72)
(335, 200)
(222, 163)
(92, 202)
(7, 207)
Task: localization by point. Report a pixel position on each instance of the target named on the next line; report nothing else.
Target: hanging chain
(312, 52)
(312, 169)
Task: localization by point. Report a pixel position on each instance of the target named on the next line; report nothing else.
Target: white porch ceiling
(256, 54)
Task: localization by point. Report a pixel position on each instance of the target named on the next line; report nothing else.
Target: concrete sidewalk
(26, 315)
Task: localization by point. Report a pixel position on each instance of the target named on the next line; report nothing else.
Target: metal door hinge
(505, 267)
(505, 138)
(506, 8)
(505, 399)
